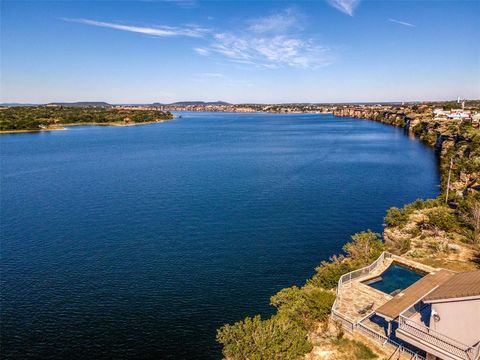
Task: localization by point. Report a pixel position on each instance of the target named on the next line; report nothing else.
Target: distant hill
(97, 104)
(17, 104)
(194, 103)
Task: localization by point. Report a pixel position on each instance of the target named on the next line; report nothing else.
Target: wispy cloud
(159, 31)
(187, 4)
(263, 42)
(201, 51)
(267, 43)
(404, 23)
(278, 22)
(271, 51)
(345, 6)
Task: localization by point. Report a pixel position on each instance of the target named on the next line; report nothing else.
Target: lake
(139, 242)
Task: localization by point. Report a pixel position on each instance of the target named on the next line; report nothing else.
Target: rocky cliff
(454, 140)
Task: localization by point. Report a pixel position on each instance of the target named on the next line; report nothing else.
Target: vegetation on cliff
(448, 226)
(50, 117)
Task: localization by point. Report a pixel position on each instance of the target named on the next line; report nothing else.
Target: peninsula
(56, 116)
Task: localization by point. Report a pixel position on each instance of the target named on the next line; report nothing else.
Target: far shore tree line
(44, 117)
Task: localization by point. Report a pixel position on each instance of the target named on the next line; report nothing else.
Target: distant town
(457, 110)
(54, 116)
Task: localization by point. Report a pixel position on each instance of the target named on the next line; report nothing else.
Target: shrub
(365, 247)
(442, 218)
(469, 211)
(404, 245)
(257, 339)
(329, 272)
(396, 217)
(305, 306)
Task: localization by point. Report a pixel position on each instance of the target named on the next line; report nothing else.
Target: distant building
(457, 114)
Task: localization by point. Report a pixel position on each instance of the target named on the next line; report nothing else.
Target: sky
(239, 51)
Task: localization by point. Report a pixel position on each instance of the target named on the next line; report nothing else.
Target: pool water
(395, 278)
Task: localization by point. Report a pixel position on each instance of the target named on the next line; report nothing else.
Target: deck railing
(437, 340)
(384, 340)
(348, 277)
(347, 323)
(363, 271)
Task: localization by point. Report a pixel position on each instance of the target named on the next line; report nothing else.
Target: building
(431, 314)
(454, 114)
(444, 322)
(458, 114)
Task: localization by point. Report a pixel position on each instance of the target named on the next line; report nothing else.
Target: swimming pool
(395, 279)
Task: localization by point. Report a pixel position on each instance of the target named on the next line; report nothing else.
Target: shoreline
(64, 127)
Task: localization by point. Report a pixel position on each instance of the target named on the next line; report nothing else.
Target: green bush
(304, 306)
(255, 339)
(469, 213)
(329, 272)
(365, 247)
(396, 217)
(442, 218)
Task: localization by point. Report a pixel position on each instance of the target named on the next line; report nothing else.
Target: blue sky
(248, 51)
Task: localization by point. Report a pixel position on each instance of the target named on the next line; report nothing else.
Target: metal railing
(345, 278)
(363, 271)
(348, 277)
(347, 324)
(384, 340)
(438, 340)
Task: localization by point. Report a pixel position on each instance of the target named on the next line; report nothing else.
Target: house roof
(460, 285)
(413, 294)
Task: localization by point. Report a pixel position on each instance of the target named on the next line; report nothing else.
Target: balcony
(433, 341)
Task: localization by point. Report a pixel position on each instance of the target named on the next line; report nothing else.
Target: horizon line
(233, 103)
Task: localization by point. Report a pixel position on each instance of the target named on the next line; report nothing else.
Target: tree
(255, 339)
(441, 218)
(364, 247)
(396, 217)
(329, 272)
(470, 215)
(305, 306)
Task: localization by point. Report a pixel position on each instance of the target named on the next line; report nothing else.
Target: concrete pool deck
(356, 300)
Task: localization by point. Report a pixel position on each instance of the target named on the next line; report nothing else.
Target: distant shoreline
(63, 127)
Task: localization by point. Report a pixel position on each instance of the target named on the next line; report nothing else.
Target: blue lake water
(138, 242)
